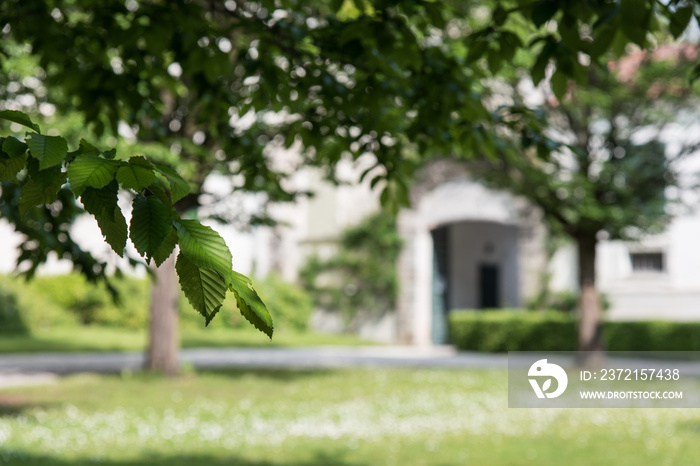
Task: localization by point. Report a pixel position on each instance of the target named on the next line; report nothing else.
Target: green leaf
(509, 43)
(205, 289)
(113, 229)
(101, 202)
(603, 37)
(88, 149)
(558, 83)
(538, 69)
(477, 49)
(568, 31)
(635, 20)
(13, 147)
(49, 150)
(619, 43)
(680, 20)
(90, 170)
(19, 117)
(494, 61)
(499, 16)
(179, 188)
(166, 247)
(159, 188)
(694, 74)
(13, 158)
(348, 11)
(203, 246)
(37, 190)
(434, 11)
(11, 167)
(543, 12)
(250, 304)
(110, 154)
(151, 222)
(136, 174)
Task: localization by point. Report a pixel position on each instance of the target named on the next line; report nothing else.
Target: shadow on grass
(13, 410)
(14, 405)
(204, 342)
(31, 344)
(317, 459)
(285, 375)
(689, 426)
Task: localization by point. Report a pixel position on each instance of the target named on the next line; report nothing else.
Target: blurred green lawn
(344, 417)
(93, 338)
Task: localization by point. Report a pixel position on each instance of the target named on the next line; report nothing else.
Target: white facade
(494, 228)
(670, 293)
(487, 234)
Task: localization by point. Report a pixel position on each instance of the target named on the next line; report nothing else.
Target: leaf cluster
(41, 171)
(575, 36)
(401, 79)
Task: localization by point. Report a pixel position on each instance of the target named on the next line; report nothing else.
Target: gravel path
(42, 367)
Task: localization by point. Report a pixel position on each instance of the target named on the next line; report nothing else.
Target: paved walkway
(25, 365)
(40, 368)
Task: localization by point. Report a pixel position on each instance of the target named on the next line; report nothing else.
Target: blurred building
(465, 247)
(469, 247)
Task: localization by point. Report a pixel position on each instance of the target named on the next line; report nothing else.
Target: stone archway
(446, 197)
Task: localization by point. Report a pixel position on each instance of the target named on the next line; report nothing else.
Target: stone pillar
(414, 268)
(532, 261)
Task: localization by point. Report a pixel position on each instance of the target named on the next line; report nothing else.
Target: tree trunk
(590, 327)
(163, 344)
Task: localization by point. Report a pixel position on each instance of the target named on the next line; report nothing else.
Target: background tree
(359, 280)
(596, 160)
(220, 84)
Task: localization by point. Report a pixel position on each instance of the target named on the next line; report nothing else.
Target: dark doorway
(488, 286)
(440, 285)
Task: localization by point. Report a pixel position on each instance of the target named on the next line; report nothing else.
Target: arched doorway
(465, 247)
(475, 266)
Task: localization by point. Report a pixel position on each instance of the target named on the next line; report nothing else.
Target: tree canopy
(220, 85)
(594, 158)
(41, 165)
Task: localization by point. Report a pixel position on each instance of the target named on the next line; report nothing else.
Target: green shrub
(290, 305)
(564, 301)
(652, 336)
(37, 309)
(69, 300)
(92, 304)
(555, 331)
(72, 293)
(11, 320)
(361, 276)
(512, 331)
(132, 309)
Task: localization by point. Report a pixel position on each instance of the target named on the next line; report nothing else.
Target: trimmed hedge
(69, 300)
(501, 331)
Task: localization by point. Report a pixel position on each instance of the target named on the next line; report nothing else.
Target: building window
(647, 261)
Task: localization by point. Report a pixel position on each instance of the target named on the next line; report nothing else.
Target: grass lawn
(346, 417)
(116, 339)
